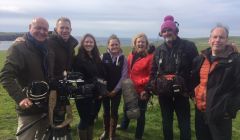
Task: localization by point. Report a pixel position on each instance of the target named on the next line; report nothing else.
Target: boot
(104, 136)
(106, 123)
(90, 133)
(82, 134)
(112, 132)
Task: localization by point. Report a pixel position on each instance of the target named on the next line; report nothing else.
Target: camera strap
(38, 90)
(177, 58)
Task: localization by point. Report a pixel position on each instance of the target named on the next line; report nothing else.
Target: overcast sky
(124, 18)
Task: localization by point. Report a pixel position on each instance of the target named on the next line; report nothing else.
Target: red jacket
(140, 71)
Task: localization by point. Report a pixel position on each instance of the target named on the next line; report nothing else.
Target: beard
(168, 39)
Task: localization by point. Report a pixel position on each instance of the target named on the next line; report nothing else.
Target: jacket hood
(229, 50)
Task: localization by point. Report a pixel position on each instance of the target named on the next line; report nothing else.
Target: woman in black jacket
(88, 62)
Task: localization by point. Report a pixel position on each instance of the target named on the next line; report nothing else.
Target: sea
(4, 45)
(101, 42)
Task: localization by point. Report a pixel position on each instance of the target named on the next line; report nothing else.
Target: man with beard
(171, 70)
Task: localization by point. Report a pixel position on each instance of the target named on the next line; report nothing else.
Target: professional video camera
(73, 86)
(101, 87)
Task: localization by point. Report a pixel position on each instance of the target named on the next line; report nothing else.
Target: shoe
(119, 127)
(104, 136)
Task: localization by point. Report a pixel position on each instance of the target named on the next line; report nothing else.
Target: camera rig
(74, 87)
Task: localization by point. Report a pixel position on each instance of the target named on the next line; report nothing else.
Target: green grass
(153, 127)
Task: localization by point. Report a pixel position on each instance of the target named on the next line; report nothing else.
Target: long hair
(95, 52)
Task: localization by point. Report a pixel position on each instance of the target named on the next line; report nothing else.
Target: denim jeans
(181, 106)
(140, 121)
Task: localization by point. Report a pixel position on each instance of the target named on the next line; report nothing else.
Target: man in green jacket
(25, 64)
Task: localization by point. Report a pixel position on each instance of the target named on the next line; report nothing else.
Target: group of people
(175, 72)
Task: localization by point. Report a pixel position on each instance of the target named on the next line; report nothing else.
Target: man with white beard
(171, 71)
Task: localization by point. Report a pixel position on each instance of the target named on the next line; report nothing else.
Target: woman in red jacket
(139, 66)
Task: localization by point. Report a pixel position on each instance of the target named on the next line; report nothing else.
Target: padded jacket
(139, 72)
(223, 84)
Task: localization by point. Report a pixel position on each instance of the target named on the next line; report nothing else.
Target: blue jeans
(181, 106)
(140, 121)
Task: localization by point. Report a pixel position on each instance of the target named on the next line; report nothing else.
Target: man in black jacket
(216, 74)
(62, 45)
(171, 70)
(27, 63)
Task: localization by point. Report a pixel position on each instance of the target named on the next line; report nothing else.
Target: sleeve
(124, 75)
(194, 51)
(154, 68)
(153, 72)
(51, 62)
(192, 54)
(12, 68)
(234, 99)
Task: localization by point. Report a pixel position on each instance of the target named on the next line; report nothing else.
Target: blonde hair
(138, 36)
(134, 39)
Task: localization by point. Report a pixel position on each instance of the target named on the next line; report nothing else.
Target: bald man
(27, 63)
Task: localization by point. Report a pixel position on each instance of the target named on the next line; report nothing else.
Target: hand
(112, 94)
(25, 103)
(144, 95)
(19, 39)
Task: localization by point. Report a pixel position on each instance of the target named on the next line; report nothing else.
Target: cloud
(123, 17)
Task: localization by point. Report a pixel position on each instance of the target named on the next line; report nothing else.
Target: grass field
(153, 128)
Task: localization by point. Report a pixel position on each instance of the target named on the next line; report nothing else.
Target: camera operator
(62, 46)
(27, 63)
(170, 74)
(88, 62)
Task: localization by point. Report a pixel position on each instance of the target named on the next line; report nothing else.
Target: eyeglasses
(167, 30)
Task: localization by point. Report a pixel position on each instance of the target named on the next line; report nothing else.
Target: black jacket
(62, 54)
(177, 59)
(223, 86)
(90, 69)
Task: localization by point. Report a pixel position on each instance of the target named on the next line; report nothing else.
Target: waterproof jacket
(174, 61)
(139, 71)
(24, 64)
(62, 54)
(222, 95)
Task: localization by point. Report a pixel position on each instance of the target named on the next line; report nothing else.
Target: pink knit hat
(169, 23)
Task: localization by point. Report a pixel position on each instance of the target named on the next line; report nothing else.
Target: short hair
(64, 19)
(113, 36)
(219, 25)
